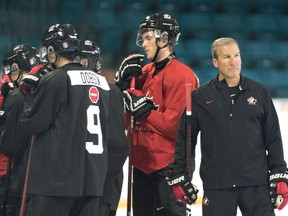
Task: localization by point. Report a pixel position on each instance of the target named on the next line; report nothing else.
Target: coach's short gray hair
(220, 42)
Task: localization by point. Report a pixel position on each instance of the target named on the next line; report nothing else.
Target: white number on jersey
(94, 127)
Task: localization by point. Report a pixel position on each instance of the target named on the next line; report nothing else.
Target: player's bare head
(221, 42)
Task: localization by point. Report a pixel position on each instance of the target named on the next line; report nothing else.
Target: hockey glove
(279, 189)
(30, 82)
(137, 104)
(6, 89)
(40, 70)
(130, 66)
(2, 114)
(182, 188)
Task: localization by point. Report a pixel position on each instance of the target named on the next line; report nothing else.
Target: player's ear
(163, 40)
(215, 62)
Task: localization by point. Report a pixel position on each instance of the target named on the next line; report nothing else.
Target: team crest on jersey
(94, 94)
(252, 101)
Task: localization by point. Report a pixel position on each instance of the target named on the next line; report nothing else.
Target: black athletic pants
(63, 206)
(252, 201)
(13, 203)
(153, 197)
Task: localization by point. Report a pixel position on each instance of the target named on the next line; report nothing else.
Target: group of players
(63, 140)
(86, 122)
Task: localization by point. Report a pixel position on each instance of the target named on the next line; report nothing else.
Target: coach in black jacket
(240, 138)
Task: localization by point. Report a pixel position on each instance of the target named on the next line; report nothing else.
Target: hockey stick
(188, 128)
(7, 183)
(129, 195)
(188, 137)
(24, 194)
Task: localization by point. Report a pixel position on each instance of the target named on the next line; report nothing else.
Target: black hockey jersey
(13, 138)
(15, 142)
(69, 118)
(118, 148)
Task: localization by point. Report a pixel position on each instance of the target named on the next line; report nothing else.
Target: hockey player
(68, 116)
(5, 163)
(14, 141)
(5, 87)
(25, 58)
(241, 143)
(156, 107)
(90, 57)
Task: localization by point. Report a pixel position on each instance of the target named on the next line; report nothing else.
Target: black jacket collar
(223, 84)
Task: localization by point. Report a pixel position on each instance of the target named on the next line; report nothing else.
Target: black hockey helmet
(23, 57)
(164, 26)
(90, 55)
(59, 38)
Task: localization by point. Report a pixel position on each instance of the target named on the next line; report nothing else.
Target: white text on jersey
(87, 77)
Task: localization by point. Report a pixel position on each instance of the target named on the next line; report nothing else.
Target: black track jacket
(240, 139)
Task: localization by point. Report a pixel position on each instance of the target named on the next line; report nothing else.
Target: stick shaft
(130, 169)
(23, 202)
(188, 137)
(188, 128)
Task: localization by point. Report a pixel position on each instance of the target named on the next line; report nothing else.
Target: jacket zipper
(233, 100)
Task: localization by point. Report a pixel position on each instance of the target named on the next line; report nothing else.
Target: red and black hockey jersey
(155, 136)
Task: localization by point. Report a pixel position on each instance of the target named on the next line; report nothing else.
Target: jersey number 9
(94, 127)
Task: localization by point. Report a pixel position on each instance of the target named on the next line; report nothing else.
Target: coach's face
(228, 61)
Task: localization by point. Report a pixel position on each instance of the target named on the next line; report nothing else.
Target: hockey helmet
(59, 38)
(22, 58)
(163, 25)
(90, 55)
